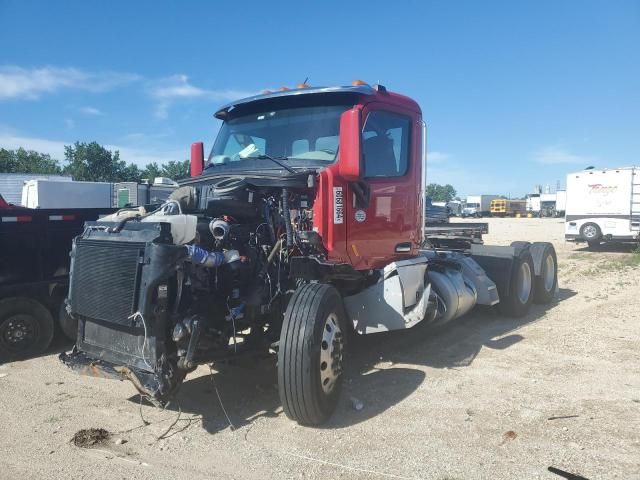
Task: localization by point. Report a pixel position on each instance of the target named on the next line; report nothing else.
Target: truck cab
(365, 144)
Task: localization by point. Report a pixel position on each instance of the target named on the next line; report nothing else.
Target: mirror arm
(362, 193)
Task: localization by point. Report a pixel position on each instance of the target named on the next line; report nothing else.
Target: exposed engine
(208, 273)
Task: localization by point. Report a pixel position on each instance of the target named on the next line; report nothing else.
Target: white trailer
(478, 205)
(55, 194)
(603, 205)
(533, 203)
(561, 202)
(11, 184)
(455, 208)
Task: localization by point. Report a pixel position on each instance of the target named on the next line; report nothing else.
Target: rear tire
(310, 354)
(591, 233)
(547, 281)
(68, 325)
(521, 286)
(26, 327)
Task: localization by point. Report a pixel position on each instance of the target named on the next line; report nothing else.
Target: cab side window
(385, 144)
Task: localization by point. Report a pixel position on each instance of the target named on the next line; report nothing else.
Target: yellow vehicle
(502, 207)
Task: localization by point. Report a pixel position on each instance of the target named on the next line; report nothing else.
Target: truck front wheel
(26, 327)
(310, 355)
(521, 286)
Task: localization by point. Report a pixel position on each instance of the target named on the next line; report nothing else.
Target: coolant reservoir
(183, 227)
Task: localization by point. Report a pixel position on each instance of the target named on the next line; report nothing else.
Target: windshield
(472, 205)
(300, 136)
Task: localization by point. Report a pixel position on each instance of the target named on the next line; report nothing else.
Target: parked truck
(34, 275)
(603, 206)
(305, 226)
(478, 205)
(503, 207)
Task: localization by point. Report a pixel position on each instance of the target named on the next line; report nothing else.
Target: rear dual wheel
(547, 282)
(26, 328)
(311, 352)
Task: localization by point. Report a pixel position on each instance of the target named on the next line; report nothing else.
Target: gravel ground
(489, 397)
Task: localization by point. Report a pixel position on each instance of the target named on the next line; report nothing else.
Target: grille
(103, 280)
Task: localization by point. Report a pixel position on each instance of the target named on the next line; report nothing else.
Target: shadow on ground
(610, 248)
(249, 388)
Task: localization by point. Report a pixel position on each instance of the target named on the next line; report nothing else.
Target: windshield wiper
(275, 160)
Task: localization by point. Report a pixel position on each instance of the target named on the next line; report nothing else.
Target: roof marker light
(283, 89)
(357, 83)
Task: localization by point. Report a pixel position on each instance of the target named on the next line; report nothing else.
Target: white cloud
(177, 87)
(30, 83)
(138, 155)
(555, 155)
(91, 111)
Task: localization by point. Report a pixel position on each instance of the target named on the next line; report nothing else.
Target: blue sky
(514, 93)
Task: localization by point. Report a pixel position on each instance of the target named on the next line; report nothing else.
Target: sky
(515, 94)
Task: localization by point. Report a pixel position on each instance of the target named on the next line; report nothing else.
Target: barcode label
(338, 205)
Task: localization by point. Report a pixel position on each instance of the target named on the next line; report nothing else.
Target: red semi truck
(304, 226)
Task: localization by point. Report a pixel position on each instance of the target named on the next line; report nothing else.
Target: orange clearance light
(302, 85)
(282, 89)
(357, 83)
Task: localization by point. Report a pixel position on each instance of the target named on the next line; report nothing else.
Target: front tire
(310, 354)
(26, 327)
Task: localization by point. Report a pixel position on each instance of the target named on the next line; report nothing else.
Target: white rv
(603, 205)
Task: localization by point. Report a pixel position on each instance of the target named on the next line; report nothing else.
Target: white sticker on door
(338, 205)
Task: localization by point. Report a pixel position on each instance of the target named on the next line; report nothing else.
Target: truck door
(386, 226)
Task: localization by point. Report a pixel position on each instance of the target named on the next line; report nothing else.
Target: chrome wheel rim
(330, 353)
(590, 231)
(524, 282)
(549, 273)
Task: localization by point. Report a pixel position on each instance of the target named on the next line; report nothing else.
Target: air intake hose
(287, 216)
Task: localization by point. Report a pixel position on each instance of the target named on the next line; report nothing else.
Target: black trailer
(34, 275)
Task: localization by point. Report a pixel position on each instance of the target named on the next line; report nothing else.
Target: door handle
(404, 247)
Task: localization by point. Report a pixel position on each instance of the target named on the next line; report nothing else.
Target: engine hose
(269, 220)
(287, 216)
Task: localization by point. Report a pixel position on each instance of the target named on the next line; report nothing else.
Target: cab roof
(352, 93)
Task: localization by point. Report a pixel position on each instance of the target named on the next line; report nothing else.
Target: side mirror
(197, 159)
(350, 151)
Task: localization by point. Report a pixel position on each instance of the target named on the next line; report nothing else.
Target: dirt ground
(488, 398)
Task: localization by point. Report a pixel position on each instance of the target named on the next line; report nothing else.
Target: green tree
(441, 193)
(151, 171)
(176, 170)
(130, 173)
(27, 161)
(92, 162)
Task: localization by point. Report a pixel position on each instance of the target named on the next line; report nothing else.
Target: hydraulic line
(287, 216)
